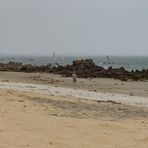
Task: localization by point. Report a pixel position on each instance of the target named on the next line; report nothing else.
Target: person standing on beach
(74, 77)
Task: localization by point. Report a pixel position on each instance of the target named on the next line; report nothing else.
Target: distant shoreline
(129, 62)
(85, 68)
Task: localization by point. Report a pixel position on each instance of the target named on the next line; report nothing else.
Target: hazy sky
(95, 27)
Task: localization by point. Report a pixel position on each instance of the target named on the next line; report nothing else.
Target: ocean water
(129, 62)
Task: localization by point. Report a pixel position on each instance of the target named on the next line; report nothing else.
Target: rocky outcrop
(11, 66)
(88, 69)
(84, 69)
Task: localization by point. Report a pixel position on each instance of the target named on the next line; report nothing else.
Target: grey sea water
(129, 62)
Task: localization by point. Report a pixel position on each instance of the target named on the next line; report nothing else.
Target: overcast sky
(74, 27)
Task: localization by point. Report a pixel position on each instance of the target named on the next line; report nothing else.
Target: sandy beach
(30, 117)
(73, 74)
(132, 88)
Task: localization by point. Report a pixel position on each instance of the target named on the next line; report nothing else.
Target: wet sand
(98, 85)
(76, 93)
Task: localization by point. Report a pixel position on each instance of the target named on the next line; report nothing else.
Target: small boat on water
(62, 58)
(107, 62)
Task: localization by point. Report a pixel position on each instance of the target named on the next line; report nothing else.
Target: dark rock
(84, 69)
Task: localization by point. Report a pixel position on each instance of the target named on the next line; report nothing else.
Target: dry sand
(43, 121)
(35, 120)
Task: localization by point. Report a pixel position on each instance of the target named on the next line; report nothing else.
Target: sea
(128, 62)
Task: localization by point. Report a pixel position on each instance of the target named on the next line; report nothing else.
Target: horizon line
(73, 55)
